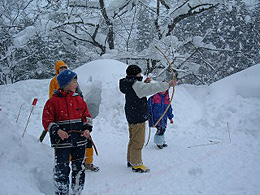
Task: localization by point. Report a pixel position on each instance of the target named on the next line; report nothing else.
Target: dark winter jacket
(136, 109)
(66, 111)
(157, 105)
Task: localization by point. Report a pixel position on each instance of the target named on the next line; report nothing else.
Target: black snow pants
(62, 169)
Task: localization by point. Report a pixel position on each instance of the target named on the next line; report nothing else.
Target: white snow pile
(245, 83)
(213, 146)
(23, 37)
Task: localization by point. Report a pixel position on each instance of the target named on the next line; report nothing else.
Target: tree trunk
(110, 35)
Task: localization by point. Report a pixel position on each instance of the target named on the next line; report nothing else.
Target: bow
(173, 78)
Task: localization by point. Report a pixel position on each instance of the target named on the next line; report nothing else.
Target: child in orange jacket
(59, 67)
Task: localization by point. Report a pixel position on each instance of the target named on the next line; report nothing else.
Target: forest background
(204, 40)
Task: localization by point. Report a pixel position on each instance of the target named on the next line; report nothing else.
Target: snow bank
(25, 164)
(99, 80)
(200, 157)
(245, 83)
(104, 70)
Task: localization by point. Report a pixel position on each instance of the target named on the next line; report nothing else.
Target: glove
(147, 80)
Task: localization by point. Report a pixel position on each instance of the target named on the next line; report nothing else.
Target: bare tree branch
(156, 22)
(73, 23)
(124, 5)
(165, 4)
(192, 11)
(93, 42)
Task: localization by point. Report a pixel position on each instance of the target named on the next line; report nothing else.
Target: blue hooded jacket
(157, 105)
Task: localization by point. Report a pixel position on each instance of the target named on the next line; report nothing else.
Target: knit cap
(133, 70)
(65, 77)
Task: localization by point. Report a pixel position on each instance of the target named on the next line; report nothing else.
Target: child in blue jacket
(157, 105)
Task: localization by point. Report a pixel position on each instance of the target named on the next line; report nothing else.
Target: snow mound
(25, 163)
(99, 80)
(245, 83)
(200, 151)
(103, 70)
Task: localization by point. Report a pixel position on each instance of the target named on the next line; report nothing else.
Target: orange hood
(59, 64)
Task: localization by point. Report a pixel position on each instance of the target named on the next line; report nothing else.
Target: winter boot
(75, 193)
(160, 146)
(165, 145)
(129, 164)
(91, 167)
(140, 169)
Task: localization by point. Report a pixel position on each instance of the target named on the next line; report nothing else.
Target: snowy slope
(213, 145)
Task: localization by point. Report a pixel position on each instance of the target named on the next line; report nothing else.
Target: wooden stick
(228, 133)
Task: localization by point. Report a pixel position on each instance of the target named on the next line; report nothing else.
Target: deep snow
(213, 145)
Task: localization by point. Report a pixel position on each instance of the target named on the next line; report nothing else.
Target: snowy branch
(192, 10)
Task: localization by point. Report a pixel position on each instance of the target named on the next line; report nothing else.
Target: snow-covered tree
(229, 29)
(145, 29)
(204, 40)
(16, 28)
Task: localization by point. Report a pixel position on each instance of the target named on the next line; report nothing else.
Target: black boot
(160, 146)
(129, 164)
(164, 145)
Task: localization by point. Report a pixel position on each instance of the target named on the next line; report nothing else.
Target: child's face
(72, 86)
(61, 69)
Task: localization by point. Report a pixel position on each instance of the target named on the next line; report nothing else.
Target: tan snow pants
(136, 143)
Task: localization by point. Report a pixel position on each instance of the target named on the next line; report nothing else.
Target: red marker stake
(33, 104)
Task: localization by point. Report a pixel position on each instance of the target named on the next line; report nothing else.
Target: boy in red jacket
(69, 123)
(60, 66)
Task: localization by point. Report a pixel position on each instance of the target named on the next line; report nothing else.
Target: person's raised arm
(144, 89)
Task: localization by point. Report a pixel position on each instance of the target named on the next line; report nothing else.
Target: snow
(183, 7)
(213, 146)
(245, 83)
(250, 2)
(198, 42)
(24, 36)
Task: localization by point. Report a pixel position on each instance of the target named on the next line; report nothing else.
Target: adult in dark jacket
(136, 110)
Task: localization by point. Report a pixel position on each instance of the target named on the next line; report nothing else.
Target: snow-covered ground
(214, 144)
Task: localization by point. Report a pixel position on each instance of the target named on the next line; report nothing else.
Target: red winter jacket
(66, 111)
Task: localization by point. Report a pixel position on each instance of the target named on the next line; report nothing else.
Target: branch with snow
(188, 9)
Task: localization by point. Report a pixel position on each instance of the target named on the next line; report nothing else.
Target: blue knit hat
(65, 77)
